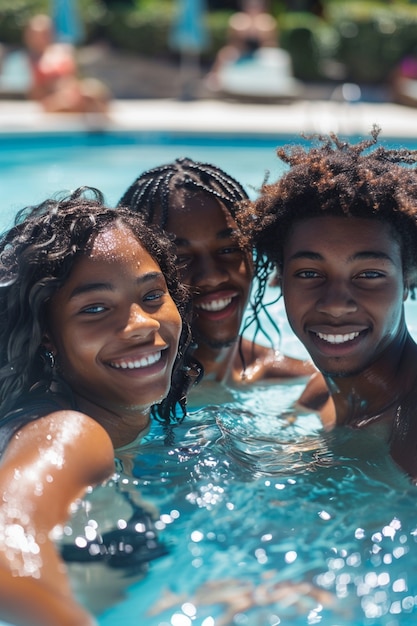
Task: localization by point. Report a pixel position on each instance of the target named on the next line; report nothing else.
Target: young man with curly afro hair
(339, 228)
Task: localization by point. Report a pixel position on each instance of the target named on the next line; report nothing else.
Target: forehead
(117, 244)
(115, 261)
(344, 236)
(197, 211)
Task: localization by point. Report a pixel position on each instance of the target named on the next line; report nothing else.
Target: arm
(262, 363)
(315, 397)
(27, 602)
(46, 467)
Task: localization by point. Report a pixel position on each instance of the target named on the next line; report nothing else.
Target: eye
(307, 274)
(232, 250)
(94, 309)
(184, 260)
(154, 296)
(371, 274)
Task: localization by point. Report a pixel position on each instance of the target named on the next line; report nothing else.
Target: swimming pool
(34, 166)
(260, 520)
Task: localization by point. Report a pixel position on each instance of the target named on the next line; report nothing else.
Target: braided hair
(153, 191)
(153, 188)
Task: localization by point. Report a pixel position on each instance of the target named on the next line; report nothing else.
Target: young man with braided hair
(340, 229)
(196, 202)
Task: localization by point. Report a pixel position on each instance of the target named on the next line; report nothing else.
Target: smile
(338, 338)
(215, 305)
(145, 361)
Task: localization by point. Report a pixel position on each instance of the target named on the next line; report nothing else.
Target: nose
(336, 300)
(208, 272)
(140, 323)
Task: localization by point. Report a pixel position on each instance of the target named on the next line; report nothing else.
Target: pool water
(260, 518)
(269, 522)
(36, 166)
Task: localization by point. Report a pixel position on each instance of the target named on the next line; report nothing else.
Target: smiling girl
(91, 338)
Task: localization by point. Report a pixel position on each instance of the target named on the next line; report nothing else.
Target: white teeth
(138, 363)
(338, 338)
(215, 305)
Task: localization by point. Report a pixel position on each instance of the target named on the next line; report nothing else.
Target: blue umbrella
(67, 21)
(189, 34)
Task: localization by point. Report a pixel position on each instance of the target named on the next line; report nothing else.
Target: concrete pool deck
(220, 116)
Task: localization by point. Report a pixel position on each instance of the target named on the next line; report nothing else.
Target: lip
(139, 362)
(217, 305)
(340, 340)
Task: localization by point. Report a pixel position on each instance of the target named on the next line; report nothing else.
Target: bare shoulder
(265, 363)
(315, 397)
(47, 465)
(64, 439)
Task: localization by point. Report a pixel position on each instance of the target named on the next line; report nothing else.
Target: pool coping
(217, 116)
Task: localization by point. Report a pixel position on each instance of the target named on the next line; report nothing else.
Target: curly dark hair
(36, 256)
(341, 179)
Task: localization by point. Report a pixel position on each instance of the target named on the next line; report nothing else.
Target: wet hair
(335, 177)
(36, 257)
(153, 190)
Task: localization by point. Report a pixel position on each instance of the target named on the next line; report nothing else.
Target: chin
(215, 344)
(340, 372)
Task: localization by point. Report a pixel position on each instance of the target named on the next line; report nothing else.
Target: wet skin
(220, 276)
(114, 329)
(344, 292)
(215, 268)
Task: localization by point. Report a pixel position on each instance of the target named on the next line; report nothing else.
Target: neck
(217, 362)
(375, 393)
(123, 424)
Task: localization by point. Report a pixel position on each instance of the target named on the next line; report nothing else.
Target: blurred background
(340, 49)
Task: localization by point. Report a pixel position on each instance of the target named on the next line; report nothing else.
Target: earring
(51, 358)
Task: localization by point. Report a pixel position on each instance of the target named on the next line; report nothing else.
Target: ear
(48, 344)
(249, 263)
(406, 291)
(275, 280)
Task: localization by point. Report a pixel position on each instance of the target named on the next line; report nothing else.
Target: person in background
(196, 202)
(91, 337)
(250, 29)
(55, 82)
(403, 79)
(340, 229)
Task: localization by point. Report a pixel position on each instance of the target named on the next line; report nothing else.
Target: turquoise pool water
(34, 166)
(262, 520)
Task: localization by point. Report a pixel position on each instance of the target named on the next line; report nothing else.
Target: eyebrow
(227, 233)
(101, 286)
(358, 256)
